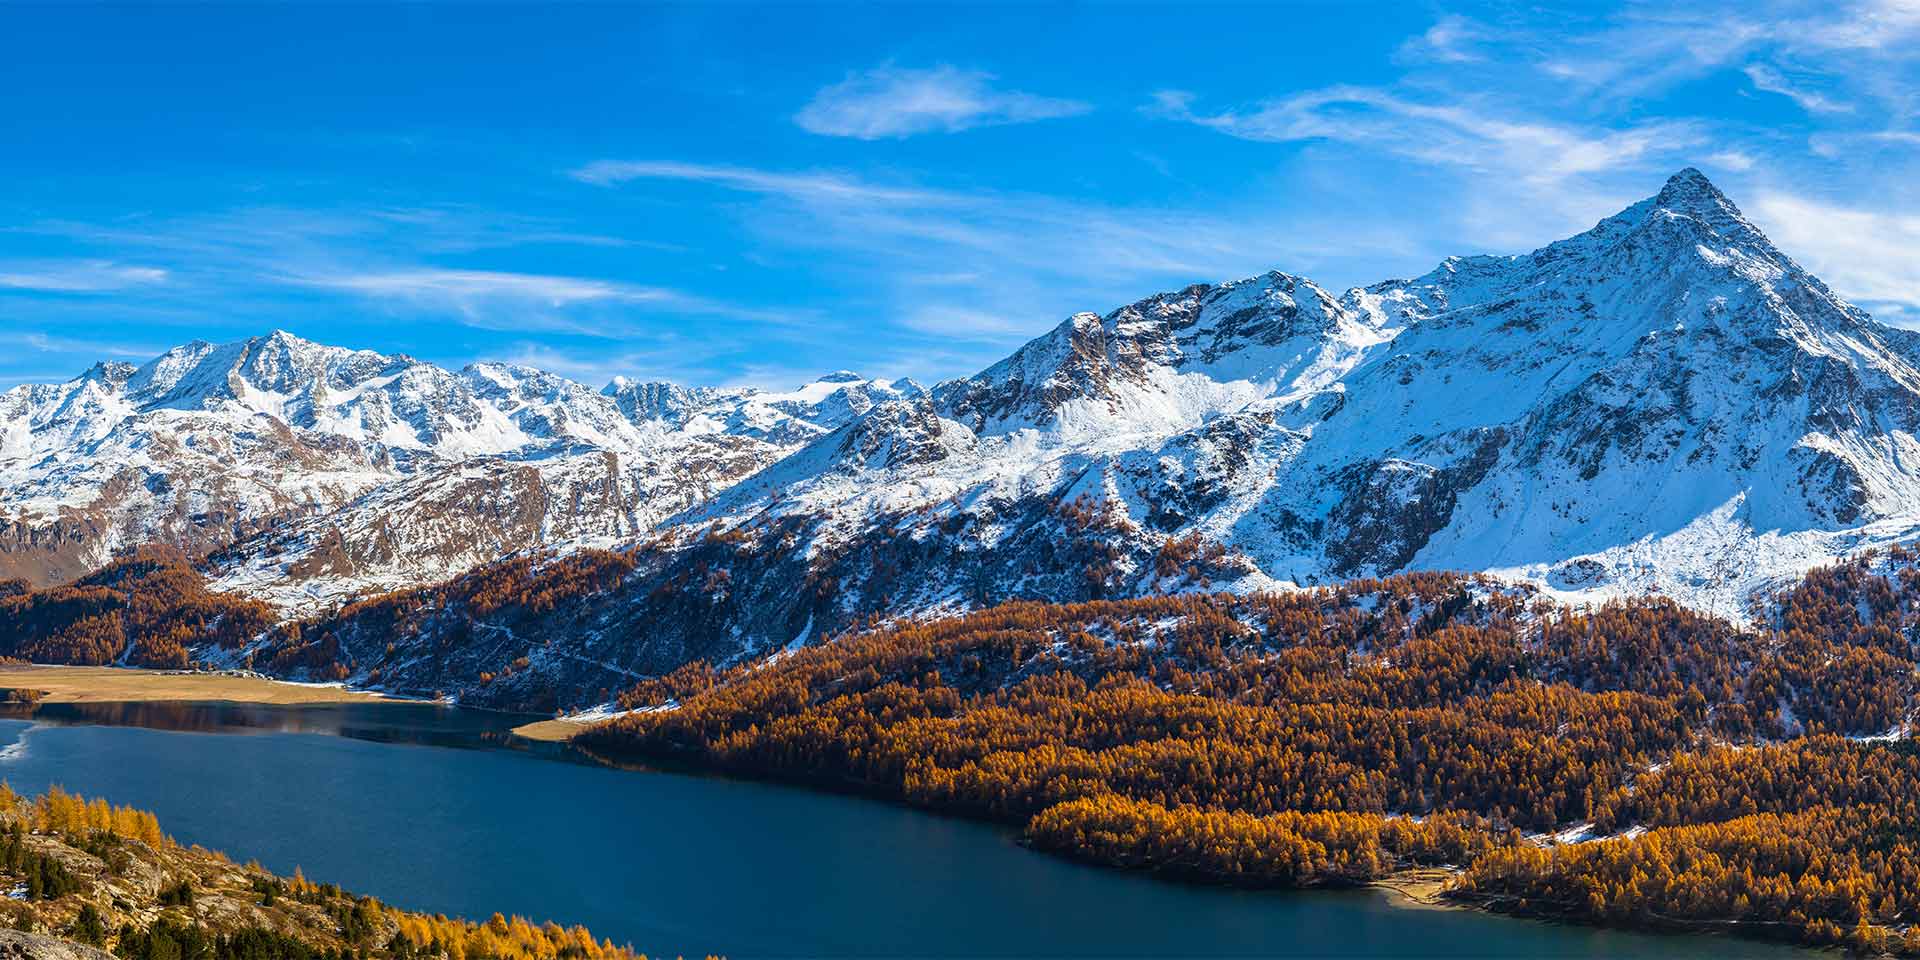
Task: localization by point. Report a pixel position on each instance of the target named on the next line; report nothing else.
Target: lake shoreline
(555, 730)
(1420, 888)
(1418, 891)
(1411, 888)
(51, 683)
(61, 683)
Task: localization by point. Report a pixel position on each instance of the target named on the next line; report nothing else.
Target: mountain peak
(283, 337)
(116, 372)
(1689, 177)
(1690, 192)
(1689, 214)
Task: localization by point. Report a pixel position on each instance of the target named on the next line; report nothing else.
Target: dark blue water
(379, 799)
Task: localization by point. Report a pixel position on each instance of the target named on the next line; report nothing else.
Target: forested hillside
(146, 610)
(88, 872)
(1635, 763)
(154, 609)
(1715, 774)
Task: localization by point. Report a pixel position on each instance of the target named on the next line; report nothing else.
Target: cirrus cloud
(890, 102)
(1450, 134)
(1769, 80)
(1866, 254)
(498, 300)
(463, 285)
(75, 276)
(814, 185)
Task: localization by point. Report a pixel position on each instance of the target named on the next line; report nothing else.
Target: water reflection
(689, 865)
(425, 724)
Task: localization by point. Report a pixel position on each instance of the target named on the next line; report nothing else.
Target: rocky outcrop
(16, 945)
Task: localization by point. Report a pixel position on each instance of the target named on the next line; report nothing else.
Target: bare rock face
(1280, 327)
(1388, 510)
(49, 550)
(15, 945)
(390, 471)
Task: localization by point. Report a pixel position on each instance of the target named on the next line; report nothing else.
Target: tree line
(146, 609)
(1337, 735)
(65, 848)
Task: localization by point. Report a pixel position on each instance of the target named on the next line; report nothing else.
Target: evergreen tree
(88, 927)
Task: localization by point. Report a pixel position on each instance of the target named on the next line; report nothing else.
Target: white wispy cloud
(234, 245)
(1640, 52)
(1451, 39)
(38, 356)
(670, 358)
(375, 255)
(506, 301)
(498, 301)
(890, 102)
(1868, 146)
(970, 271)
(948, 320)
(1586, 116)
(814, 185)
(1770, 80)
(1866, 255)
(1456, 134)
(1835, 55)
(1871, 25)
(593, 366)
(1734, 160)
(97, 348)
(467, 286)
(998, 229)
(76, 276)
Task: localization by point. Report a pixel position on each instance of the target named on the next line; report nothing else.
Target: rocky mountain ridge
(1666, 403)
(353, 470)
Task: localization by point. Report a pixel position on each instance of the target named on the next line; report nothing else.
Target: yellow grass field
(552, 731)
(122, 685)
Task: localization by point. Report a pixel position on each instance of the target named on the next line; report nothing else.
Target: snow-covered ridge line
(1664, 403)
(356, 470)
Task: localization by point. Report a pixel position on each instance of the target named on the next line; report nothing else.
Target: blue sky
(736, 194)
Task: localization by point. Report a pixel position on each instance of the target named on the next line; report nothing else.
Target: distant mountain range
(358, 471)
(1665, 403)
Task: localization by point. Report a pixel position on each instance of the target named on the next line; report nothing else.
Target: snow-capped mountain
(347, 470)
(1664, 403)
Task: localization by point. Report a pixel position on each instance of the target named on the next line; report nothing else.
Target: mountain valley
(1574, 582)
(1664, 405)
